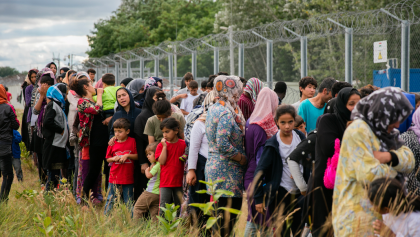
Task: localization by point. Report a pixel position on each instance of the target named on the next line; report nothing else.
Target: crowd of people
(340, 162)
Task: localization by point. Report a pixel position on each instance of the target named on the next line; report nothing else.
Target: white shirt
(296, 105)
(285, 150)
(187, 103)
(404, 225)
(198, 144)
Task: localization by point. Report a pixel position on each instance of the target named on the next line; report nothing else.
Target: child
(17, 138)
(149, 199)
(401, 213)
(121, 156)
(172, 168)
(300, 124)
(9, 95)
(109, 96)
(187, 103)
(183, 93)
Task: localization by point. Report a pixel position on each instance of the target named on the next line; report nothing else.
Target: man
(307, 87)
(280, 90)
(329, 109)
(183, 93)
(92, 74)
(312, 108)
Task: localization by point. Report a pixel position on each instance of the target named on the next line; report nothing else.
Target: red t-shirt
(8, 95)
(122, 173)
(172, 173)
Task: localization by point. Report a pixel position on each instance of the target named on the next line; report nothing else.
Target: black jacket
(8, 123)
(269, 171)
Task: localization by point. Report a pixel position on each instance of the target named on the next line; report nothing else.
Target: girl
(278, 187)
(93, 150)
(27, 88)
(401, 213)
(162, 109)
(167, 153)
(370, 149)
(55, 131)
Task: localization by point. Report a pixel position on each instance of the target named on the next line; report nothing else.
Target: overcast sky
(32, 30)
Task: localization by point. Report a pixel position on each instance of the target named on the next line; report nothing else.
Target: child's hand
(163, 141)
(123, 158)
(106, 121)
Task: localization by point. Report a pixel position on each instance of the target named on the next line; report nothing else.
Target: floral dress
(352, 212)
(225, 141)
(87, 109)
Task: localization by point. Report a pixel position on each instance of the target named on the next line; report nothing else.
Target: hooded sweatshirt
(121, 113)
(8, 122)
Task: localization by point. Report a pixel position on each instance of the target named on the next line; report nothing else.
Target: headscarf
(228, 89)
(28, 77)
(82, 74)
(49, 65)
(416, 124)
(340, 108)
(65, 69)
(208, 101)
(47, 72)
(380, 109)
(146, 112)
(153, 81)
(57, 93)
(99, 84)
(132, 113)
(3, 95)
(37, 84)
(127, 80)
(264, 112)
(134, 87)
(253, 87)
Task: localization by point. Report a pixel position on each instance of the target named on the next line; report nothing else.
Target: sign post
(380, 52)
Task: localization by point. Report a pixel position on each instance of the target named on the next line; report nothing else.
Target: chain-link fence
(252, 49)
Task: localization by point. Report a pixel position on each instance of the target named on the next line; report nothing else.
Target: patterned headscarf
(416, 124)
(82, 74)
(380, 109)
(57, 93)
(48, 72)
(253, 87)
(264, 112)
(228, 89)
(153, 81)
(208, 101)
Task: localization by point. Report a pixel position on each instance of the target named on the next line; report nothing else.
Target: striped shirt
(154, 182)
(246, 106)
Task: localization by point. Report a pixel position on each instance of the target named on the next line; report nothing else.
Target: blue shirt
(310, 114)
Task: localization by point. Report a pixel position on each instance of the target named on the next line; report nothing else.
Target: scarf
(134, 87)
(340, 108)
(416, 124)
(228, 90)
(51, 73)
(3, 95)
(37, 84)
(380, 109)
(263, 116)
(57, 93)
(153, 81)
(127, 80)
(82, 74)
(146, 112)
(253, 87)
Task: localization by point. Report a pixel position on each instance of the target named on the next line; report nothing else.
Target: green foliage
(27, 194)
(8, 71)
(170, 222)
(211, 208)
(44, 224)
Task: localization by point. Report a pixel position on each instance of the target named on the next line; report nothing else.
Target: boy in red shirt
(121, 156)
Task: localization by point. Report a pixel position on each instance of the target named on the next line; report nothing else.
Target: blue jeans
(124, 190)
(252, 229)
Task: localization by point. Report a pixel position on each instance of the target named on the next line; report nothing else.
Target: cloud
(31, 31)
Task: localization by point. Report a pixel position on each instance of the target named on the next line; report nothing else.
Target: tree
(8, 71)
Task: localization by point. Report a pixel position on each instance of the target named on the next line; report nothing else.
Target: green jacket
(109, 97)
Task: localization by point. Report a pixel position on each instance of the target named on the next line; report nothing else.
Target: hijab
(340, 108)
(57, 93)
(134, 87)
(265, 110)
(3, 95)
(28, 77)
(228, 90)
(82, 74)
(132, 113)
(146, 111)
(416, 124)
(153, 81)
(47, 72)
(253, 87)
(208, 101)
(127, 80)
(380, 109)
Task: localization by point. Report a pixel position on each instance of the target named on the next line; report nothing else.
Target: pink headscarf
(416, 121)
(265, 110)
(99, 84)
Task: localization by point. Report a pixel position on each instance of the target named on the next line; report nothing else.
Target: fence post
(193, 61)
(269, 59)
(348, 51)
(241, 60)
(405, 51)
(171, 76)
(303, 56)
(215, 57)
(141, 68)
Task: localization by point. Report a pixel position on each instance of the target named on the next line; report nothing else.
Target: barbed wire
(363, 23)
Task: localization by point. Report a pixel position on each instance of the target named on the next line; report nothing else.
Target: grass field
(30, 212)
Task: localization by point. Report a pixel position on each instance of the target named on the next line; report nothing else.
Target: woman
(259, 127)
(249, 97)
(125, 81)
(27, 87)
(136, 87)
(412, 140)
(225, 126)
(370, 149)
(330, 128)
(91, 125)
(55, 131)
(53, 67)
(142, 140)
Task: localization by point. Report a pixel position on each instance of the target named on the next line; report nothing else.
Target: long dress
(352, 213)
